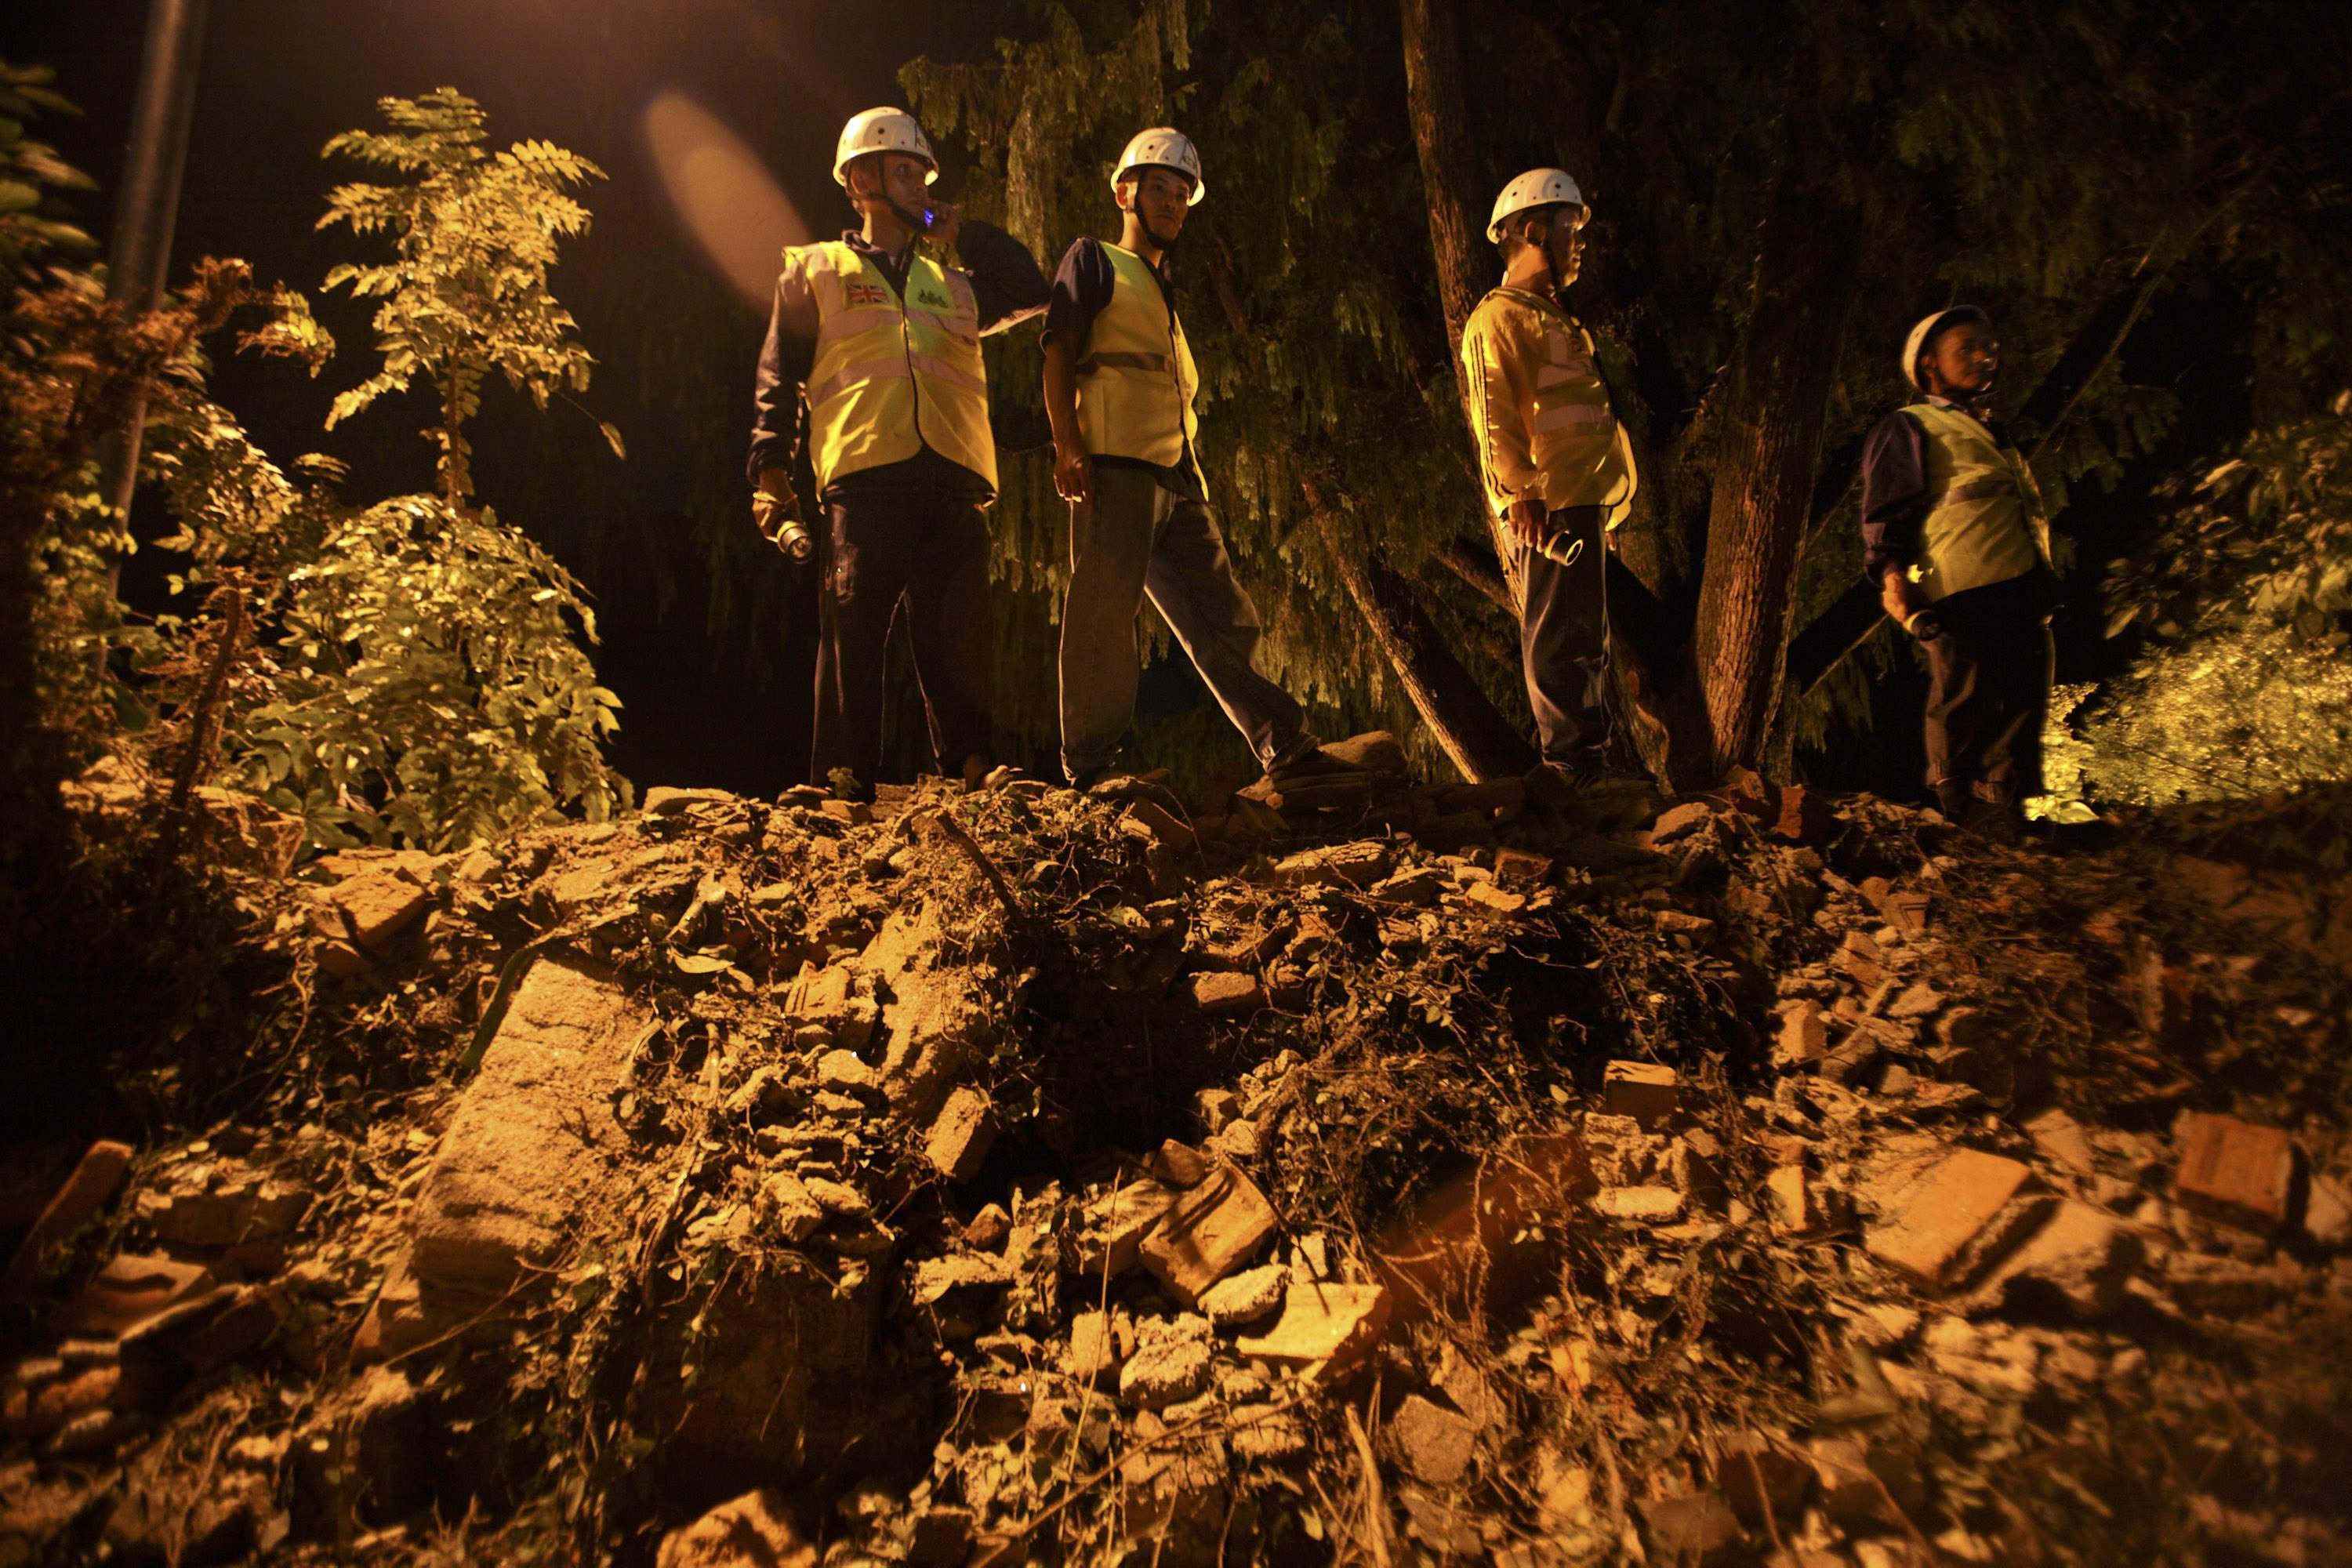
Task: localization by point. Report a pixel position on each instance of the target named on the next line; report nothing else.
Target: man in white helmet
(1955, 541)
(872, 367)
(1119, 384)
(1557, 470)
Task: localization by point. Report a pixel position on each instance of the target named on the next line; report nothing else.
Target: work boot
(1313, 765)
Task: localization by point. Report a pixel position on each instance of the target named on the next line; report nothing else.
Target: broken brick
(1355, 865)
(1208, 1232)
(1114, 1226)
(1162, 826)
(1170, 1361)
(1323, 1325)
(960, 1134)
(1944, 1211)
(1803, 816)
(1650, 1206)
(131, 1288)
(1434, 1444)
(75, 1204)
(1221, 991)
(1804, 1036)
(379, 906)
(1487, 896)
(2233, 1170)
(2080, 1259)
(1643, 1090)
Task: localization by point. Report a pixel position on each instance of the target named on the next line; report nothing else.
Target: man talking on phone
(878, 341)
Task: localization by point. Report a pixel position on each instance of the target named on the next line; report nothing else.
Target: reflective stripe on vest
(1984, 522)
(1136, 382)
(1574, 437)
(890, 376)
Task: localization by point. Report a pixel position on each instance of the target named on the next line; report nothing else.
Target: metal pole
(140, 252)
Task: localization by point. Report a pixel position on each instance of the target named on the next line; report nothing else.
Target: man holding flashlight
(1558, 468)
(872, 364)
(1955, 539)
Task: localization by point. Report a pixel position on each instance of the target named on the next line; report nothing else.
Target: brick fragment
(1488, 896)
(960, 1134)
(1324, 1325)
(1162, 825)
(1521, 867)
(1643, 1090)
(2236, 1171)
(380, 905)
(1208, 1232)
(1944, 1211)
(1804, 1037)
(1226, 991)
(75, 1204)
(1434, 1444)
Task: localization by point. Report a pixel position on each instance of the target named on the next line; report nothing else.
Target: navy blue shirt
(1082, 286)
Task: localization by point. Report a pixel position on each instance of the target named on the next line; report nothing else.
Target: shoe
(1313, 765)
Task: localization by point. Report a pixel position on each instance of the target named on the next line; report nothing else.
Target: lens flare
(727, 200)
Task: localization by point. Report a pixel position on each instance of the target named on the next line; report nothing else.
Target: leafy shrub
(420, 680)
(2245, 591)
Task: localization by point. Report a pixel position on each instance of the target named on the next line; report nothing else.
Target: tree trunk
(1775, 399)
(1481, 744)
(1440, 113)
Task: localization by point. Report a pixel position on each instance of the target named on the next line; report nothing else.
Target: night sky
(675, 339)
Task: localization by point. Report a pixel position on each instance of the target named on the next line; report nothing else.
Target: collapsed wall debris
(1401, 1169)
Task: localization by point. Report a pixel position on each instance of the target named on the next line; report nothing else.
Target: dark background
(707, 638)
(707, 634)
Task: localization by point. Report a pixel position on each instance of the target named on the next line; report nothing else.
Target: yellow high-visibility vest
(1539, 410)
(1984, 522)
(1136, 382)
(893, 375)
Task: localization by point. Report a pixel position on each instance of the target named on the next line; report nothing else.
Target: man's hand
(1900, 597)
(1529, 520)
(947, 222)
(776, 513)
(1074, 471)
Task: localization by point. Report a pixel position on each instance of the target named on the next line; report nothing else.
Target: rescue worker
(1955, 539)
(1558, 468)
(872, 360)
(1119, 384)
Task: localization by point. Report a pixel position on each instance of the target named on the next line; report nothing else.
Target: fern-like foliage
(466, 295)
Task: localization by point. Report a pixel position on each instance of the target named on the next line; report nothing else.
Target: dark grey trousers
(1564, 641)
(928, 551)
(1989, 677)
(1131, 537)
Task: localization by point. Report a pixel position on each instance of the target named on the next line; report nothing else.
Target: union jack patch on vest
(866, 294)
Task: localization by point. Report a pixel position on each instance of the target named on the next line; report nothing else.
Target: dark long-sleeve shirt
(1895, 503)
(1082, 286)
(1895, 500)
(1007, 287)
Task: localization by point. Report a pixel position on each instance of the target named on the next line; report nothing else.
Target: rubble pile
(1396, 1171)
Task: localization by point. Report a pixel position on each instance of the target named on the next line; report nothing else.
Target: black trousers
(1564, 640)
(1988, 693)
(925, 550)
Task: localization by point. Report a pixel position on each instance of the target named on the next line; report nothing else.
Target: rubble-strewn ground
(1409, 1175)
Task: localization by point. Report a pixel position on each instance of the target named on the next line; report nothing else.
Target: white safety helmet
(1161, 147)
(882, 131)
(1536, 188)
(1930, 325)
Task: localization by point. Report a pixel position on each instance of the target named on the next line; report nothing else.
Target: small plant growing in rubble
(474, 234)
(425, 683)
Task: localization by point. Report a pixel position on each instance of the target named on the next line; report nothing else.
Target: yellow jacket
(1539, 412)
